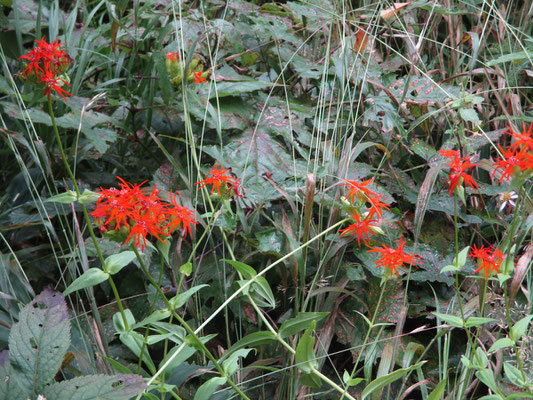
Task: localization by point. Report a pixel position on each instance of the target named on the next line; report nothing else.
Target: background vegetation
(299, 97)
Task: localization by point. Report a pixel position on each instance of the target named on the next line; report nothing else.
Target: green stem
(186, 326)
(85, 213)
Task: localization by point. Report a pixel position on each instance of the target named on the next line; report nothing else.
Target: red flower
(46, 56)
(140, 214)
(218, 177)
(377, 206)
(361, 227)
(359, 190)
(513, 161)
(394, 258)
(458, 167)
(180, 216)
(172, 56)
(489, 258)
(52, 82)
(198, 77)
(523, 139)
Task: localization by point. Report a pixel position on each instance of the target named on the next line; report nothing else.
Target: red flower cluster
(519, 157)
(218, 179)
(172, 56)
(140, 214)
(198, 78)
(46, 63)
(489, 258)
(394, 258)
(458, 166)
(361, 196)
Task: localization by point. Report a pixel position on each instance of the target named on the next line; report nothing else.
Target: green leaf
(114, 263)
(476, 321)
(514, 375)
(350, 381)
(97, 387)
(230, 364)
(450, 319)
(39, 340)
(518, 396)
(460, 260)
(385, 380)
(480, 360)
(224, 89)
(180, 299)
(305, 355)
(118, 321)
(487, 377)
(207, 389)
(519, 328)
(186, 269)
(87, 197)
(449, 268)
(164, 248)
(246, 271)
(68, 197)
(501, 344)
(91, 277)
(518, 56)
(134, 341)
(436, 394)
(302, 321)
(469, 115)
(253, 340)
(262, 289)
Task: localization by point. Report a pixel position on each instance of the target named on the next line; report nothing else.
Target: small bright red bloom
(512, 162)
(52, 82)
(377, 206)
(489, 258)
(523, 139)
(361, 227)
(359, 190)
(394, 258)
(172, 56)
(198, 77)
(218, 177)
(180, 216)
(458, 167)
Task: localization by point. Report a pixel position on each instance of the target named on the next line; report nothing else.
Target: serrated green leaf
(385, 380)
(476, 321)
(118, 261)
(91, 277)
(450, 319)
(39, 341)
(97, 387)
(302, 321)
(68, 197)
(519, 328)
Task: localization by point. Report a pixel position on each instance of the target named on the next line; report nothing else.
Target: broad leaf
(91, 277)
(97, 387)
(302, 321)
(39, 341)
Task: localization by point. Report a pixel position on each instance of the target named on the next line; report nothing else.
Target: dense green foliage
(263, 298)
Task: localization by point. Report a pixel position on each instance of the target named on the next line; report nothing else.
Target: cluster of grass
(315, 199)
